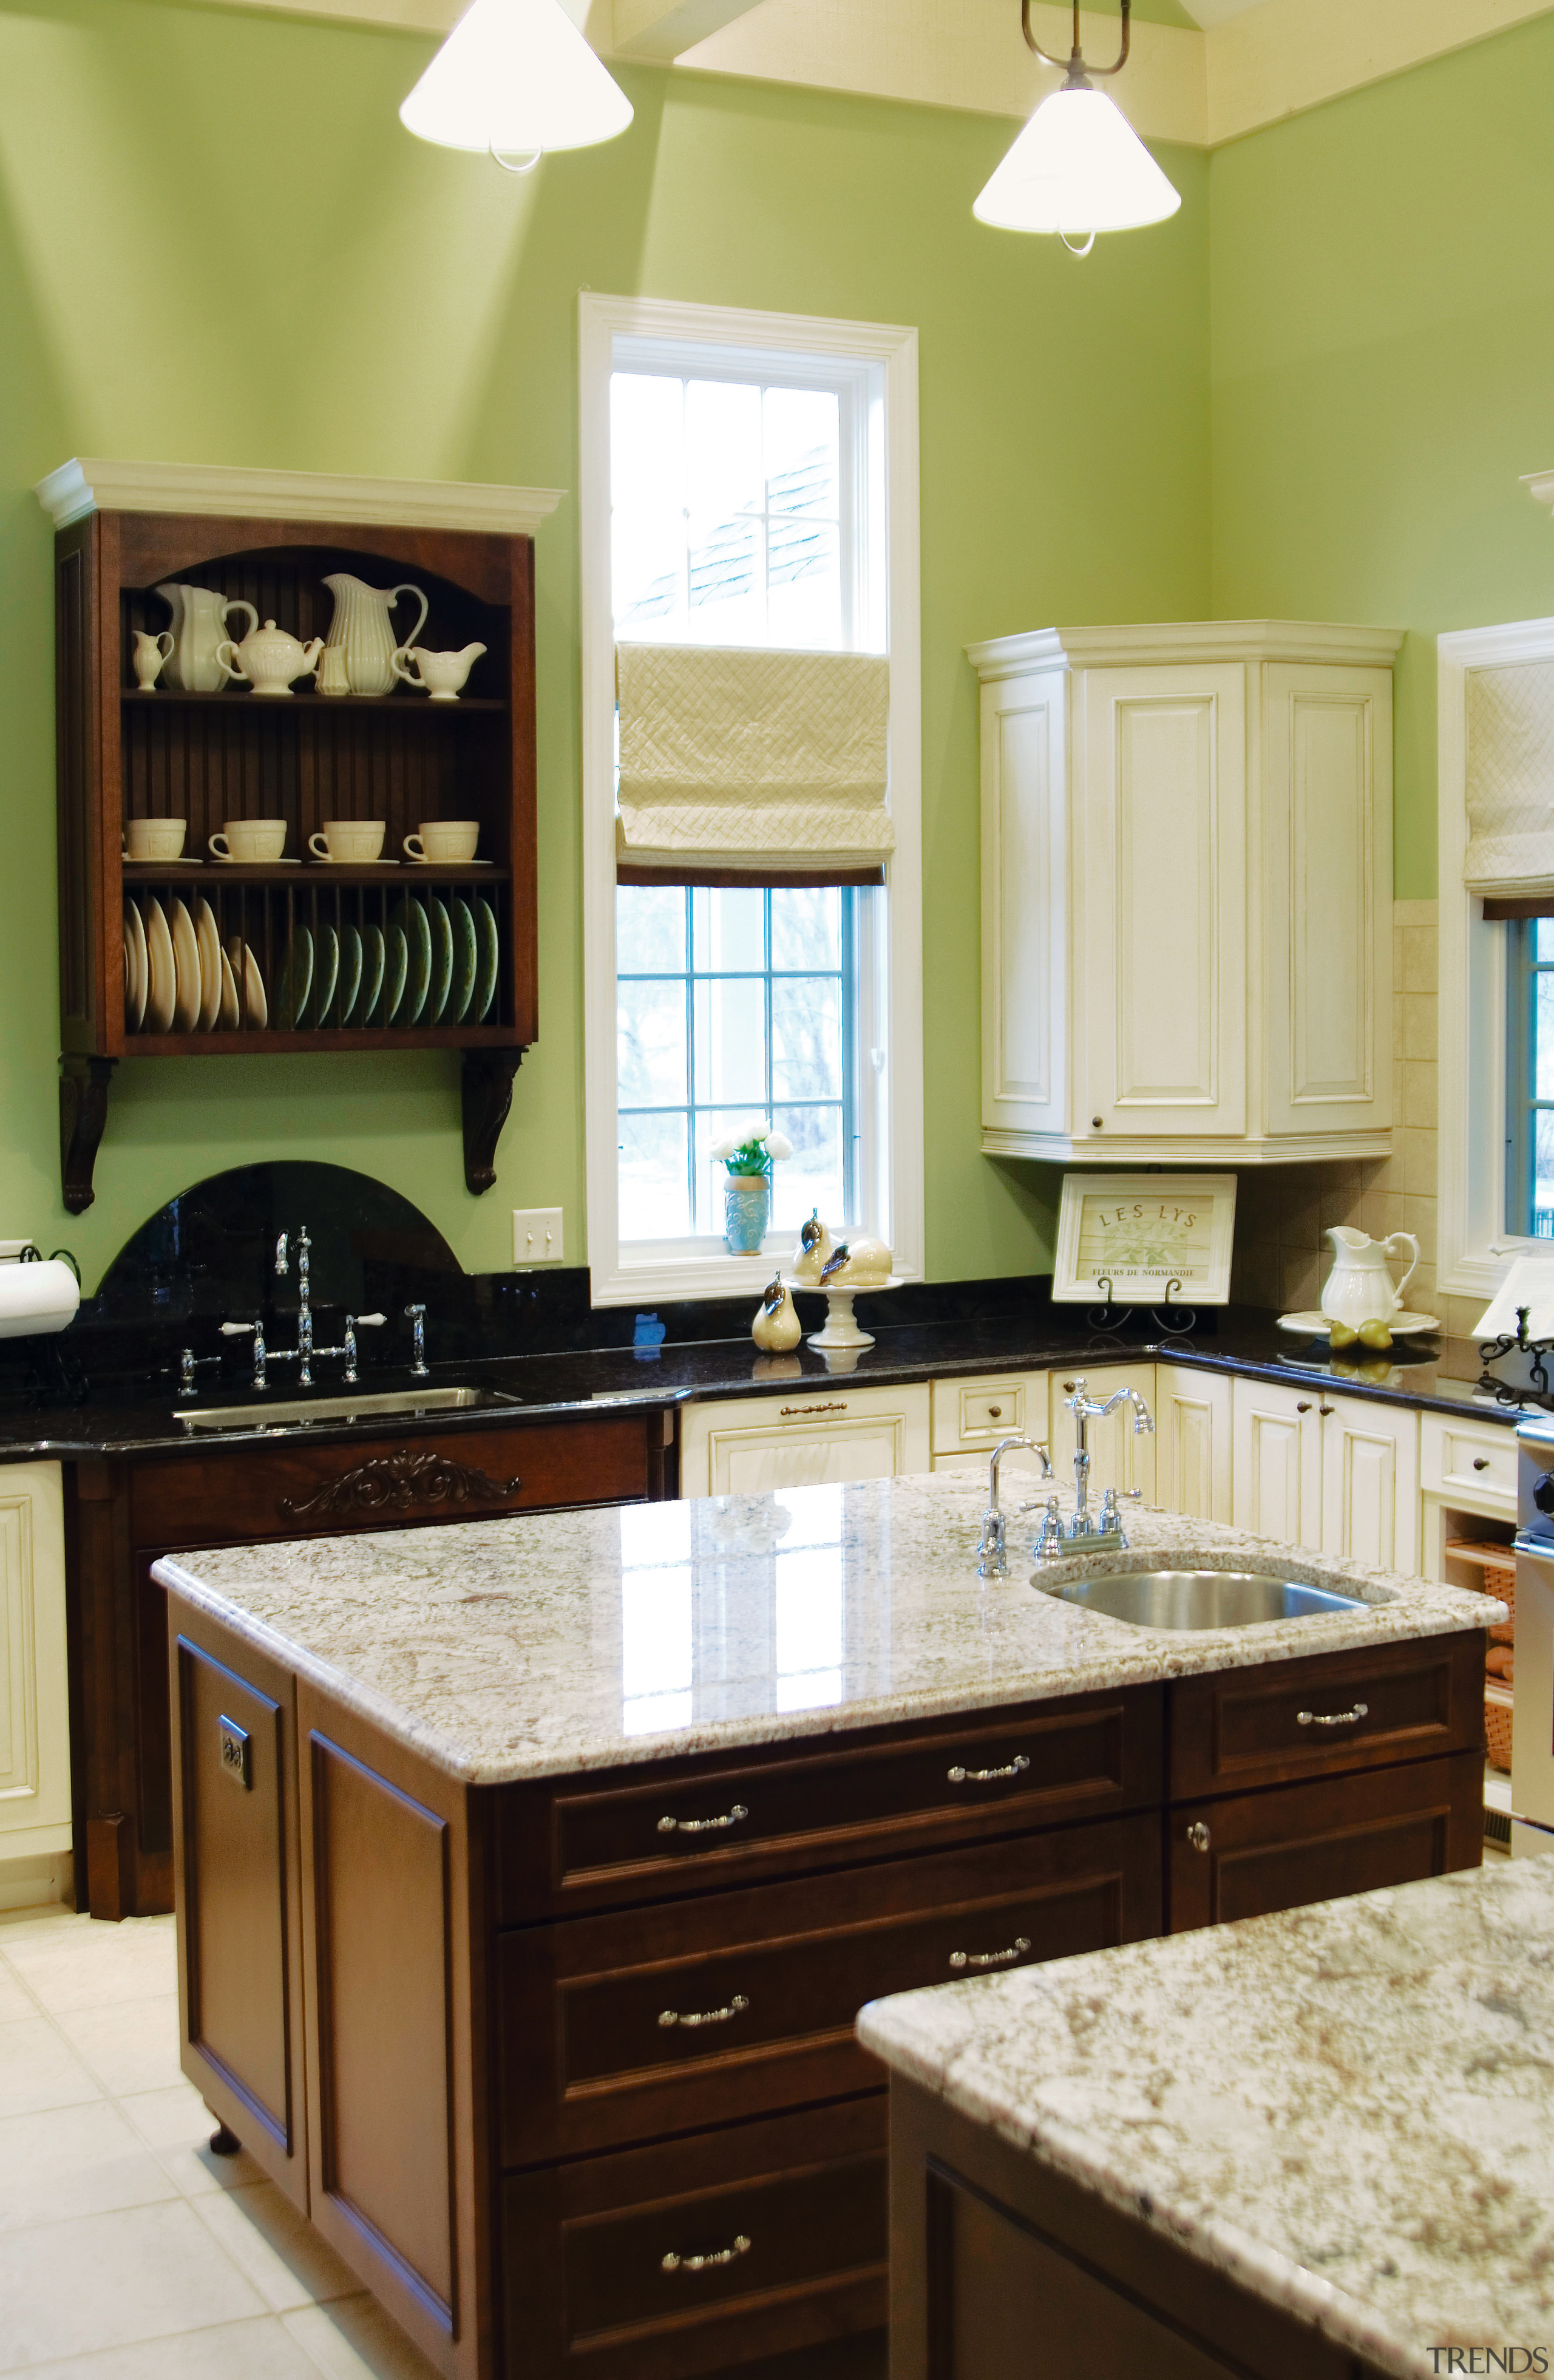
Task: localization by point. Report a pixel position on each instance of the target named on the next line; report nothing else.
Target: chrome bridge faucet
(1087, 1533)
(302, 1355)
(992, 1560)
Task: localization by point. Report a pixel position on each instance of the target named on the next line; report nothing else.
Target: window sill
(656, 1270)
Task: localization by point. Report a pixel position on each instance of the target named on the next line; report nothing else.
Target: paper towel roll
(36, 1298)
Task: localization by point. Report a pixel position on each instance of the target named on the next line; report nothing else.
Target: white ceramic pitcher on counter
(1359, 1288)
(362, 627)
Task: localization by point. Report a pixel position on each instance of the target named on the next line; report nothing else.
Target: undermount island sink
(1200, 1598)
(297, 1412)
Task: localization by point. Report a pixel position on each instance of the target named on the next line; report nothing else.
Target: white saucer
(224, 859)
(411, 861)
(1402, 1326)
(129, 862)
(323, 859)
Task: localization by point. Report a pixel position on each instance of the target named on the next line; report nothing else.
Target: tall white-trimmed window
(749, 481)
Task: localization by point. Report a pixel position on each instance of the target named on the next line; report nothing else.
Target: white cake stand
(842, 1333)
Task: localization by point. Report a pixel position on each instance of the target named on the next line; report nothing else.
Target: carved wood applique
(397, 1483)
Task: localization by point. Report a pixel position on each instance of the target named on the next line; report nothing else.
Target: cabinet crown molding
(1186, 641)
(88, 483)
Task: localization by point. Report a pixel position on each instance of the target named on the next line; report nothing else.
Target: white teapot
(268, 659)
(1359, 1288)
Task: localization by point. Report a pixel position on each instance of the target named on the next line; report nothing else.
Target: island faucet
(1084, 1533)
(991, 1560)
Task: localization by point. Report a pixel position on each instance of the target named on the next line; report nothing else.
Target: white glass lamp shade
(1078, 166)
(515, 76)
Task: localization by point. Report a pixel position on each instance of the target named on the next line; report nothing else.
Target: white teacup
(348, 839)
(160, 839)
(251, 841)
(444, 839)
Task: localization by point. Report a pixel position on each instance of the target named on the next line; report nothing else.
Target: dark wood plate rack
(124, 753)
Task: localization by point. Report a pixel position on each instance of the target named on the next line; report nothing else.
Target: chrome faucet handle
(416, 1317)
(281, 1253)
(189, 1364)
(1050, 1544)
(354, 1322)
(993, 1559)
(240, 1329)
(1110, 1511)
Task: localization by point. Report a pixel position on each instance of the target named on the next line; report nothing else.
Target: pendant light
(1078, 167)
(516, 78)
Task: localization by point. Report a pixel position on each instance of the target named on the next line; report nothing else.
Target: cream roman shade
(1511, 780)
(753, 763)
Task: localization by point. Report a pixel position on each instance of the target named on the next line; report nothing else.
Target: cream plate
(208, 942)
(163, 996)
(255, 1009)
(186, 960)
(1402, 1326)
(230, 1015)
(139, 967)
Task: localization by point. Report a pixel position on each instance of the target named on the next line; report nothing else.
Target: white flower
(724, 1148)
(778, 1145)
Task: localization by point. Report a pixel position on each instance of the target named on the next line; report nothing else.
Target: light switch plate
(537, 1235)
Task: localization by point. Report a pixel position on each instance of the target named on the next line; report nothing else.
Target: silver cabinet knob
(1199, 1836)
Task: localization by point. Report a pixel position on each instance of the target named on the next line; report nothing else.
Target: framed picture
(1145, 1239)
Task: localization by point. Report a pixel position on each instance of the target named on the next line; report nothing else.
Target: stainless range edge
(1532, 1772)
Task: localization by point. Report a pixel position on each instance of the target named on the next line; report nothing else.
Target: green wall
(218, 246)
(1383, 366)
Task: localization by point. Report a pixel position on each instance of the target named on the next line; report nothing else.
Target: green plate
(442, 960)
(296, 981)
(373, 957)
(350, 971)
(326, 975)
(415, 927)
(465, 959)
(485, 974)
(398, 967)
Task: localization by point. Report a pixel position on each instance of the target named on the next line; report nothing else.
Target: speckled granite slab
(1349, 2109)
(562, 1641)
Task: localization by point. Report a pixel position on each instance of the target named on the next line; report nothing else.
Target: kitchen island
(595, 1829)
(1321, 2143)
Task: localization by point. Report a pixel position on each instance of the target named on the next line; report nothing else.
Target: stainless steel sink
(1200, 1598)
(297, 1412)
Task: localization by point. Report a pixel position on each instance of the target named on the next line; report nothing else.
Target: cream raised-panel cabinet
(1340, 1475)
(1276, 1462)
(34, 1710)
(814, 1437)
(1192, 1427)
(973, 1415)
(1187, 892)
(1120, 1456)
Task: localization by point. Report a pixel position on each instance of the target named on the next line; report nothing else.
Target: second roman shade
(1511, 780)
(755, 764)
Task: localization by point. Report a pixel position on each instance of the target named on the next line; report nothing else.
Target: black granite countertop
(137, 1418)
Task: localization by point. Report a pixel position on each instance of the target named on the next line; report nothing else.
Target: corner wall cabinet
(1187, 892)
(291, 945)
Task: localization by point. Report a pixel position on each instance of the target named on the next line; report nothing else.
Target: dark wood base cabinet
(123, 1515)
(998, 2266)
(578, 2095)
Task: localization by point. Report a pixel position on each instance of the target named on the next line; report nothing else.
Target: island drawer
(722, 2249)
(221, 1497)
(667, 1828)
(619, 2028)
(1287, 1719)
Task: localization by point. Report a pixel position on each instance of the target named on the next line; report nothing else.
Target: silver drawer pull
(987, 1776)
(703, 1825)
(1331, 1718)
(1016, 1950)
(673, 2263)
(737, 2007)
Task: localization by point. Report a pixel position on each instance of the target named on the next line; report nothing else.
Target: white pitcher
(1359, 1288)
(362, 627)
(199, 626)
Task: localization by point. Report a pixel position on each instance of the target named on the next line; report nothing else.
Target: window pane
(726, 580)
(1543, 938)
(649, 929)
(731, 1041)
(803, 446)
(1542, 1218)
(654, 1185)
(729, 930)
(650, 1042)
(711, 1123)
(1543, 1036)
(723, 447)
(647, 549)
(806, 929)
(807, 1038)
(645, 439)
(812, 1176)
(803, 595)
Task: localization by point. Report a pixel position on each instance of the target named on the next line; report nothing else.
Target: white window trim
(647, 1271)
(1475, 1248)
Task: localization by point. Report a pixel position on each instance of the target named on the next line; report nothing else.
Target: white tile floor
(128, 2252)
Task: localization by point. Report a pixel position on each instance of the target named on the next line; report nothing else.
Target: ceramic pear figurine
(813, 1250)
(776, 1326)
(268, 659)
(863, 1263)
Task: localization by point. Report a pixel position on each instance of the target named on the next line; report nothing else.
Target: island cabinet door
(621, 2028)
(1257, 1853)
(392, 1868)
(236, 1858)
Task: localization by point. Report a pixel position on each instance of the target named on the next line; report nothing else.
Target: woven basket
(1497, 1729)
(1496, 1567)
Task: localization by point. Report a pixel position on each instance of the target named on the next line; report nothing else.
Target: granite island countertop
(1349, 2108)
(550, 1642)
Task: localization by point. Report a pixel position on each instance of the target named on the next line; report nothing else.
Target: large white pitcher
(361, 629)
(1359, 1288)
(198, 624)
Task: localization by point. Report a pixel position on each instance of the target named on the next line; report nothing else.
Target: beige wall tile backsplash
(1282, 1211)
